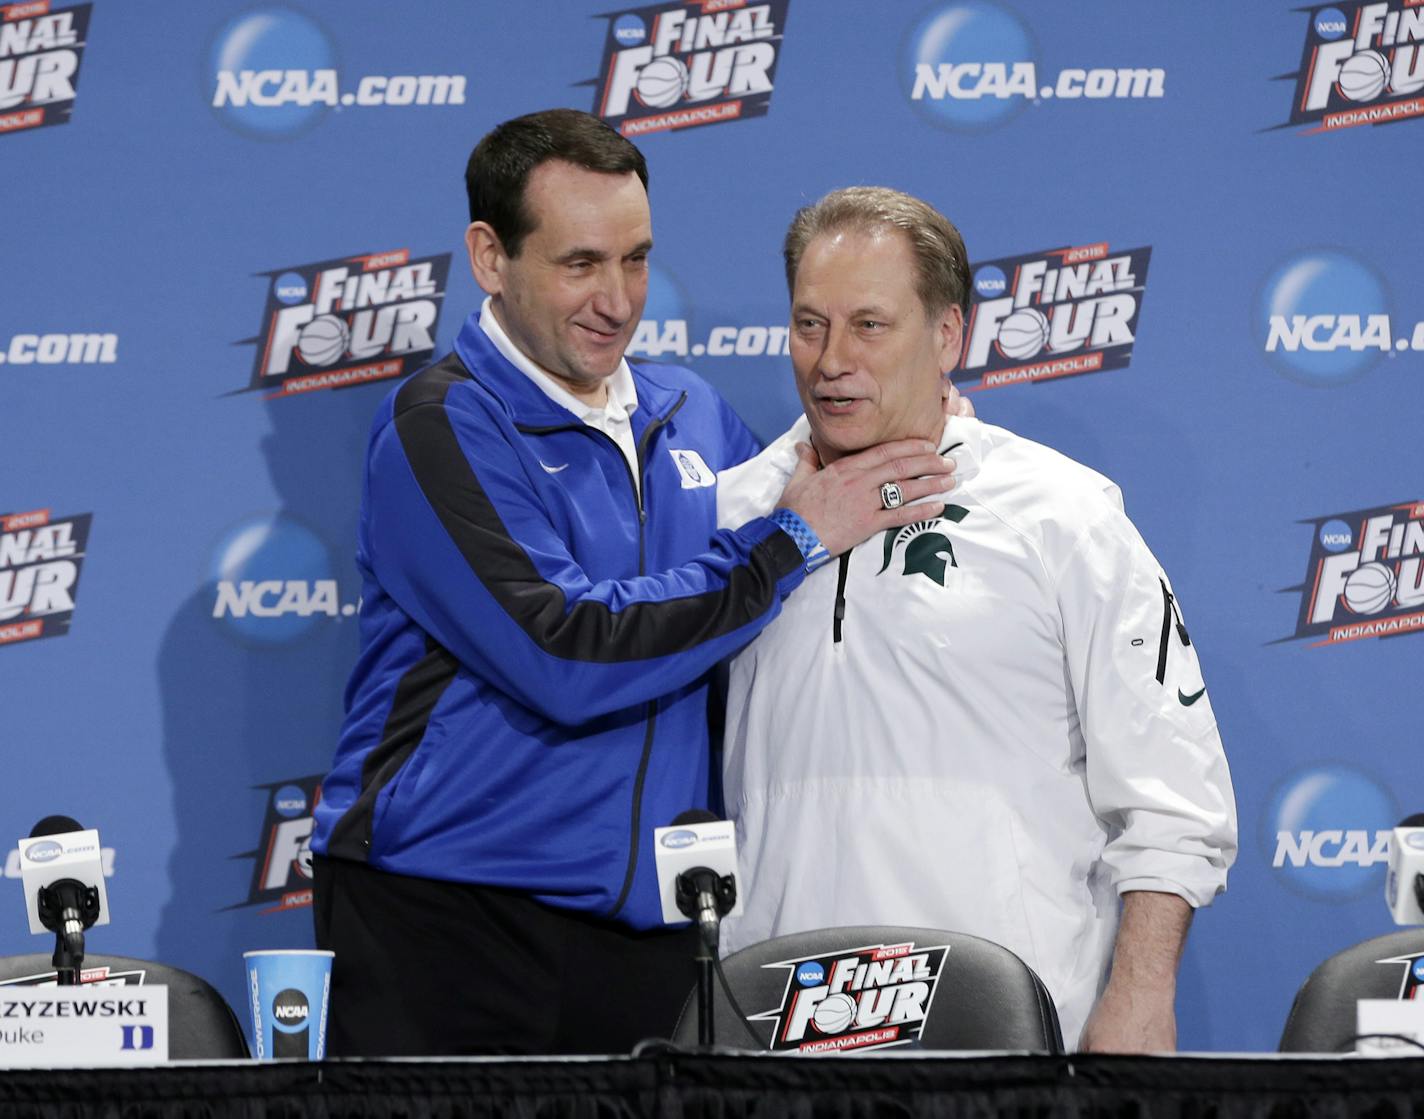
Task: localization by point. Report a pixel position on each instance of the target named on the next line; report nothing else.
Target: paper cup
(289, 991)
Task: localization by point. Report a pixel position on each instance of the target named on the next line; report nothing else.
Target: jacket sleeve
(454, 534)
(1156, 772)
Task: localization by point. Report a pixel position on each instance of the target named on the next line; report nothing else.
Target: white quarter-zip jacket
(991, 722)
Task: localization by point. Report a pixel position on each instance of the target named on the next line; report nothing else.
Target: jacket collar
(526, 403)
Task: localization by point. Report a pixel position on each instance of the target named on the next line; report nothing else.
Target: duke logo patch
(695, 473)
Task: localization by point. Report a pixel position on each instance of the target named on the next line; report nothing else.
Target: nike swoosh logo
(553, 469)
(1188, 700)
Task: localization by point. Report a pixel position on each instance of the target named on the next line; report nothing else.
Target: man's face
(573, 296)
(869, 362)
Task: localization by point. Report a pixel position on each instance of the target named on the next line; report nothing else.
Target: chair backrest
(201, 1025)
(867, 986)
(1322, 1018)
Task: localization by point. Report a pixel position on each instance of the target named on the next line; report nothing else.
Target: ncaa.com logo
(273, 73)
(274, 581)
(60, 349)
(1325, 317)
(975, 65)
(1327, 831)
(667, 329)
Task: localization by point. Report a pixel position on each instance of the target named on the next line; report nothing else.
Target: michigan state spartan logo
(926, 552)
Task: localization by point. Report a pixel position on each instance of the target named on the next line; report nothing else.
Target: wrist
(813, 552)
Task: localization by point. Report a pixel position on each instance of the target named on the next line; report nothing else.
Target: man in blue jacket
(544, 595)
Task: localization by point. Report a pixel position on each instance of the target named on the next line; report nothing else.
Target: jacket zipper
(839, 615)
(1169, 612)
(654, 426)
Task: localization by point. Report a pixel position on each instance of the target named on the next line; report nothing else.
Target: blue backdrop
(228, 227)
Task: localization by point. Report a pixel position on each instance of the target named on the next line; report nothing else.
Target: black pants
(428, 968)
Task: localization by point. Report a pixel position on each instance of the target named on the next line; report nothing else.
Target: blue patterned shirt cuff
(812, 550)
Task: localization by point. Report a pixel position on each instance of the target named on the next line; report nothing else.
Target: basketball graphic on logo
(835, 1014)
(1369, 588)
(1364, 76)
(323, 340)
(1023, 334)
(661, 82)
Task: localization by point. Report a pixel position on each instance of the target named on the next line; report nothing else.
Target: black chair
(201, 1025)
(981, 996)
(1322, 1018)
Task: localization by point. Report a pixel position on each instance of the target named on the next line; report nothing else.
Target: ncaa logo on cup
(811, 974)
(1327, 830)
(290, 1009)
(1324, 317)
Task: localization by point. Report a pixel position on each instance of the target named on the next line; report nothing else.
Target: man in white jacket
(992, 720)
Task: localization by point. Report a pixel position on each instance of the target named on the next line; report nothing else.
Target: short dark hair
(499, 168)
(941, 264)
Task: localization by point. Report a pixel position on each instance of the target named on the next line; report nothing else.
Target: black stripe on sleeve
(416, 695)
(590, 631)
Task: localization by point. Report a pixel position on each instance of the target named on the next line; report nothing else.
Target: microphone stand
(706, 898)
(67, 908)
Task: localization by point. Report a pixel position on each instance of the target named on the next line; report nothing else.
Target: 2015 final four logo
(40, 558)
(1362, 64)
(1052, 314)
(348, 322)
(1365, 577)
(862, 998)
(40, 50)
(282, 870)
(680, 65)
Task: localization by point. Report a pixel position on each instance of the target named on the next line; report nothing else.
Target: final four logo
(863, 998)
(282, 871)
(1361, 65)
(40, 50)
(1052, 314)
(1365, 577)
(673, 66)
(348, 322)
(40, 557)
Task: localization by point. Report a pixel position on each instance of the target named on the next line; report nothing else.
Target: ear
(949, 337)
(487, 256)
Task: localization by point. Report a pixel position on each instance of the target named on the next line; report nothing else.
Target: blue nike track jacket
(530, 699)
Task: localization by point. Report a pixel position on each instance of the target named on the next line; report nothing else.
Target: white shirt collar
(622, 395)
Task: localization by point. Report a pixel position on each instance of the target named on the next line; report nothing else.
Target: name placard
(1394, 1024)
(86, 1026)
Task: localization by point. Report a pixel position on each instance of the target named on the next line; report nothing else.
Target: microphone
(697, 865)
(1404, 885)
(63, 875)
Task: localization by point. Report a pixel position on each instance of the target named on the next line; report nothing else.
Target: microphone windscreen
(695, 816)
(55, 825)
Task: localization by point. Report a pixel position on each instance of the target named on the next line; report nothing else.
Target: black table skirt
(672, 1086)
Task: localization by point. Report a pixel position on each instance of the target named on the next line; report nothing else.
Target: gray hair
(942, 269)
